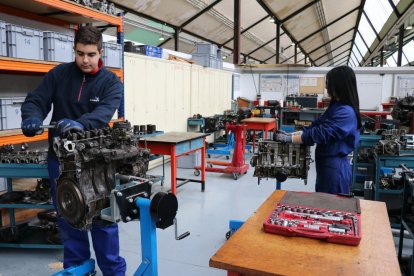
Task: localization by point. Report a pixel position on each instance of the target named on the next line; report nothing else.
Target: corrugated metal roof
(324, 30)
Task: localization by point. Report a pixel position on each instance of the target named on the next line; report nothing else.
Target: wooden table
(251, 251)
(176, 144)
(263, 124)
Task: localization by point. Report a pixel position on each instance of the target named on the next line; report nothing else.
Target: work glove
(282, 136)
(66, 125)
(32, 127)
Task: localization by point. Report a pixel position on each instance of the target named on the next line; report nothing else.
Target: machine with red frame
(237, 166)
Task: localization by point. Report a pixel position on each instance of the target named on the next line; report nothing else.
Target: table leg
(203, 165)
(173, 170)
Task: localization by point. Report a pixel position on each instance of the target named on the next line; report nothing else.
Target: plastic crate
(3, 40)
(11, 116)
(23, 42)
(149, 50)
(205, 60)
(189, 161)
(112, 54)
(58, 47)
(206, 48)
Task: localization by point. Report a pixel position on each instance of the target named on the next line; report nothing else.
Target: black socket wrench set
(324, 224)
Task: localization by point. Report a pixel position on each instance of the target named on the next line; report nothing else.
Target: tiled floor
(204, 214)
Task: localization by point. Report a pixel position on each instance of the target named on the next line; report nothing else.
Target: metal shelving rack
(61, 13)
(73, 14)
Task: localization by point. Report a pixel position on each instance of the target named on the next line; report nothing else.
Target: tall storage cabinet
(73, 15)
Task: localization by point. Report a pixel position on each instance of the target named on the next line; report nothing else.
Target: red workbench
(176, 144)
(263, 124)
(373, 114)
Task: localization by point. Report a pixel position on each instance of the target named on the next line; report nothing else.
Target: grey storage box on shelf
(205, 60)
(3, 40)
(189, 161)
(11, 116)
(58, 47)
(112, 54)
(2, 184)
(23, 42)
(206, 48)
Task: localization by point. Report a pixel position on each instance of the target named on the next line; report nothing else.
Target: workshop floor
(204, 214)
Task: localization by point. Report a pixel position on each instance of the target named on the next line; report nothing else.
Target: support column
(236, 52)
(277, 42)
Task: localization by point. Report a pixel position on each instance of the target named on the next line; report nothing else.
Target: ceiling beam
(333, 59)
(293, 14)
(195, 16)
(277, 20)
(245, 30)
(334, 50)
(394, 8)
(339, 61)
(370, 24)
(327, 25)
(409, 10)
(361, 9)
(330, 41)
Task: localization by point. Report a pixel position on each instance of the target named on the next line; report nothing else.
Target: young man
(84, 96)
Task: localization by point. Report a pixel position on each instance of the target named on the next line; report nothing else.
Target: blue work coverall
(336, 134)
(90, 99)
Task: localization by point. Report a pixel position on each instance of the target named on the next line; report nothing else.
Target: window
(378, 11)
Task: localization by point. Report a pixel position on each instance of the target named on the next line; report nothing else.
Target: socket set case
(318, 223)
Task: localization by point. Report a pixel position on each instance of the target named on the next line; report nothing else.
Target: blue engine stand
(149, 263)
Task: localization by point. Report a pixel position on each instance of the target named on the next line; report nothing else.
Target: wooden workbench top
(174, 137)
(258, 120)
(253, 252)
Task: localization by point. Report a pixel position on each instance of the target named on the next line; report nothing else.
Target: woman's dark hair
(89, 36)
(341, 84)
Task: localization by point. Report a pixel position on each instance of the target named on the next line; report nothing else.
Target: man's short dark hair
(89, 36)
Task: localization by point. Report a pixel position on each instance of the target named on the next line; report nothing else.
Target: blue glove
(65, 125)
(282, 136)
(31, 127)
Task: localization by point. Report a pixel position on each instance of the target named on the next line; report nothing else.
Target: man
(84, 96)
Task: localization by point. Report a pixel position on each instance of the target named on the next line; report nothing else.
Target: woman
(336, 133)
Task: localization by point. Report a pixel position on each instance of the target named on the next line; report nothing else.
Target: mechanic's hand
(65, 125)
(282, 136)
(31, 127)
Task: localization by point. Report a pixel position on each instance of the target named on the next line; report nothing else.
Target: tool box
(331, 225)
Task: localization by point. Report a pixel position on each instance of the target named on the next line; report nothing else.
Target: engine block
(281, 160)
(391, 143)
(88, 163)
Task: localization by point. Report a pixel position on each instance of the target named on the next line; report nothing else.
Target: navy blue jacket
(335, 132)
(90, 99)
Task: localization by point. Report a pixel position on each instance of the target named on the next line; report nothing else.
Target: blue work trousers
(333, 175)
(76, 243)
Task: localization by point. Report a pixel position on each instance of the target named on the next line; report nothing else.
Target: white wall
(375, 85)
(166, 93)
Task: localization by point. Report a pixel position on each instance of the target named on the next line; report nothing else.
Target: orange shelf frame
(16, 12)
(36, 66)
(20, 138)
(84, 11)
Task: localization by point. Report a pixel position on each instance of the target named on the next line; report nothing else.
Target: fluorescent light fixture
(161, 38)
(224, 57)
(409, 27)
(292, 44)
(272, 20)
